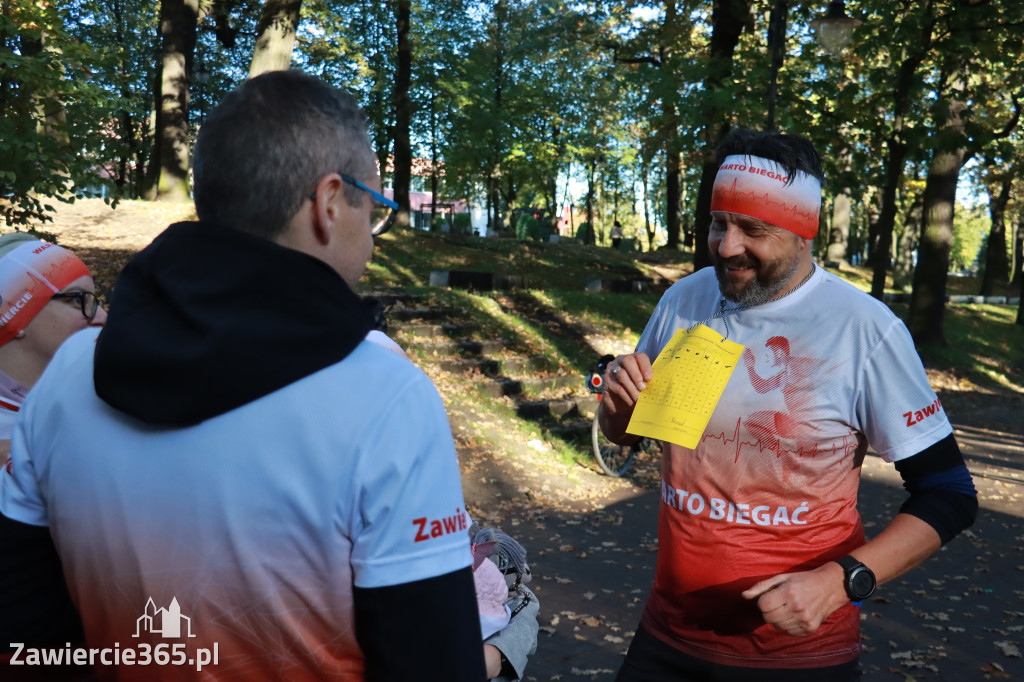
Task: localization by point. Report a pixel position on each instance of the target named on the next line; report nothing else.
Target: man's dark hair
(261, 152)
(792, 152)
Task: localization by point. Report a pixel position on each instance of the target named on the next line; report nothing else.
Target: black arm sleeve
(35, 607)
(423, 630)
(941, 491)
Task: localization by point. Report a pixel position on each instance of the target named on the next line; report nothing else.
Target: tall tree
(729, 17)
(997, 265)
(1019, 274)
(403, 111)
(178, 23)
(275, 36)
(927, 302)
(39, 159)
(914, 48)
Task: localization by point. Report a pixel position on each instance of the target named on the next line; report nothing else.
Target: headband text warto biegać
(29, 276)
(760, 188)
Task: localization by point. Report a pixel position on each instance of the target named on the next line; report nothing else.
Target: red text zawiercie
(921, 415)
(435, 528)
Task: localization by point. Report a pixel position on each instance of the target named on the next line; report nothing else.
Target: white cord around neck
(723, 311)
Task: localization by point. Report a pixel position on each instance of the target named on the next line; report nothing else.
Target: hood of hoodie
(207, 319)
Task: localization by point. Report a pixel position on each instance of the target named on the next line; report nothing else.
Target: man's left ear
(326, 209)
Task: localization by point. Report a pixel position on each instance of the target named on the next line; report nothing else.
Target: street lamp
(835, 29)
(834, 32)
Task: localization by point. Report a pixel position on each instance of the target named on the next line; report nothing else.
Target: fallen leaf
(1008, 649)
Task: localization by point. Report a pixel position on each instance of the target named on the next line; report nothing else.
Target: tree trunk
(1020, 303)
(647, 213)
(672, 222)
(275, 36)
(669, 123)
(728, 18)
(49, 113)
(777, 52)
(178, 19)
(839, 228)
(433, 162)
(510, 201)
(490, 202)
(702, 221)
(402, 179)
(881, 240)
(588, 236)
(1018, 272)
(997, 269)
(904, 272)
(839, 233)
(928, 300)
(1017, 255)
(551, 184)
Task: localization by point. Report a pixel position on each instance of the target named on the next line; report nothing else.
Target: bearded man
(762, 557)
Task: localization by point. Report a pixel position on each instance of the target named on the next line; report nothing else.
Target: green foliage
(40, 159)
(533, 102)
(462, 223)
(529, 227)
(407, 259)
(970, 228)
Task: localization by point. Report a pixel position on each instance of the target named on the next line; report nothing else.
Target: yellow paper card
(690, 375)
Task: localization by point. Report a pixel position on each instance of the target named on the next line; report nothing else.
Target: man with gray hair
(240, 487)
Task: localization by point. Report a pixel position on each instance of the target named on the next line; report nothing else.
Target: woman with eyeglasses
(46, 295)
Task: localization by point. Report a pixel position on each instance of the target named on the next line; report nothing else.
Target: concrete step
(513, 387)
(576, 431)
(424, 330)
(418, 313)
(466, 348)
(562, 409)
(492, 367)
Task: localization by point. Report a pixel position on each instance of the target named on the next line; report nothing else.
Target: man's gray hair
(261, 152)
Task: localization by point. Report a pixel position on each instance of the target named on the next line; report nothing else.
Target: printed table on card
(690, 375)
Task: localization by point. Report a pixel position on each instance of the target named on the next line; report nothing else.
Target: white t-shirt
(253, 525)
(772, 485)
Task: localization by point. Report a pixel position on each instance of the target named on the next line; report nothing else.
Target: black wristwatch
(859, 581)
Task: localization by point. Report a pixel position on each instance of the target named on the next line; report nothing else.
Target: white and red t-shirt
(772, 485)
(248, 531)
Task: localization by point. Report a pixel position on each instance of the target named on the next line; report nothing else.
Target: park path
(959, 617)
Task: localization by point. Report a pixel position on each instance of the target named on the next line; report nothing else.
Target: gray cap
(12, 240)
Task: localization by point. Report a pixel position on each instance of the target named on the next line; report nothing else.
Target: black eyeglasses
(87, 301)
(383, 213)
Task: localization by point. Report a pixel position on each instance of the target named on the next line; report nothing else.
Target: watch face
(862, 582)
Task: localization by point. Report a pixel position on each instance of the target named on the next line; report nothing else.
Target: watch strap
(850, 564)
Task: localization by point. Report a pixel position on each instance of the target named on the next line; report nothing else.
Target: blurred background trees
(540, 111)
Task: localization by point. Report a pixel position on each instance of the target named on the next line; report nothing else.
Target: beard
(769, 277)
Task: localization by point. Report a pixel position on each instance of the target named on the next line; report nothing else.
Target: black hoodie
(206, 319)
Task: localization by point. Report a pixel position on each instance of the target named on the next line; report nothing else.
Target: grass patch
(407, 258)
(984, 345)
(558, 319)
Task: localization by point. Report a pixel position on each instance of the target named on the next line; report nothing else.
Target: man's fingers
(764, 586)
(630, 373)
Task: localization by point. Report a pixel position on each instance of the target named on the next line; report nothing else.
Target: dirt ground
(959, 617)
(592, 540)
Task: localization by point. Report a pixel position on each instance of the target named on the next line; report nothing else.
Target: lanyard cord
(722, 311)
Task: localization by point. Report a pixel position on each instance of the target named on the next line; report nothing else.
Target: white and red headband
(760, 188)
(30, 274)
